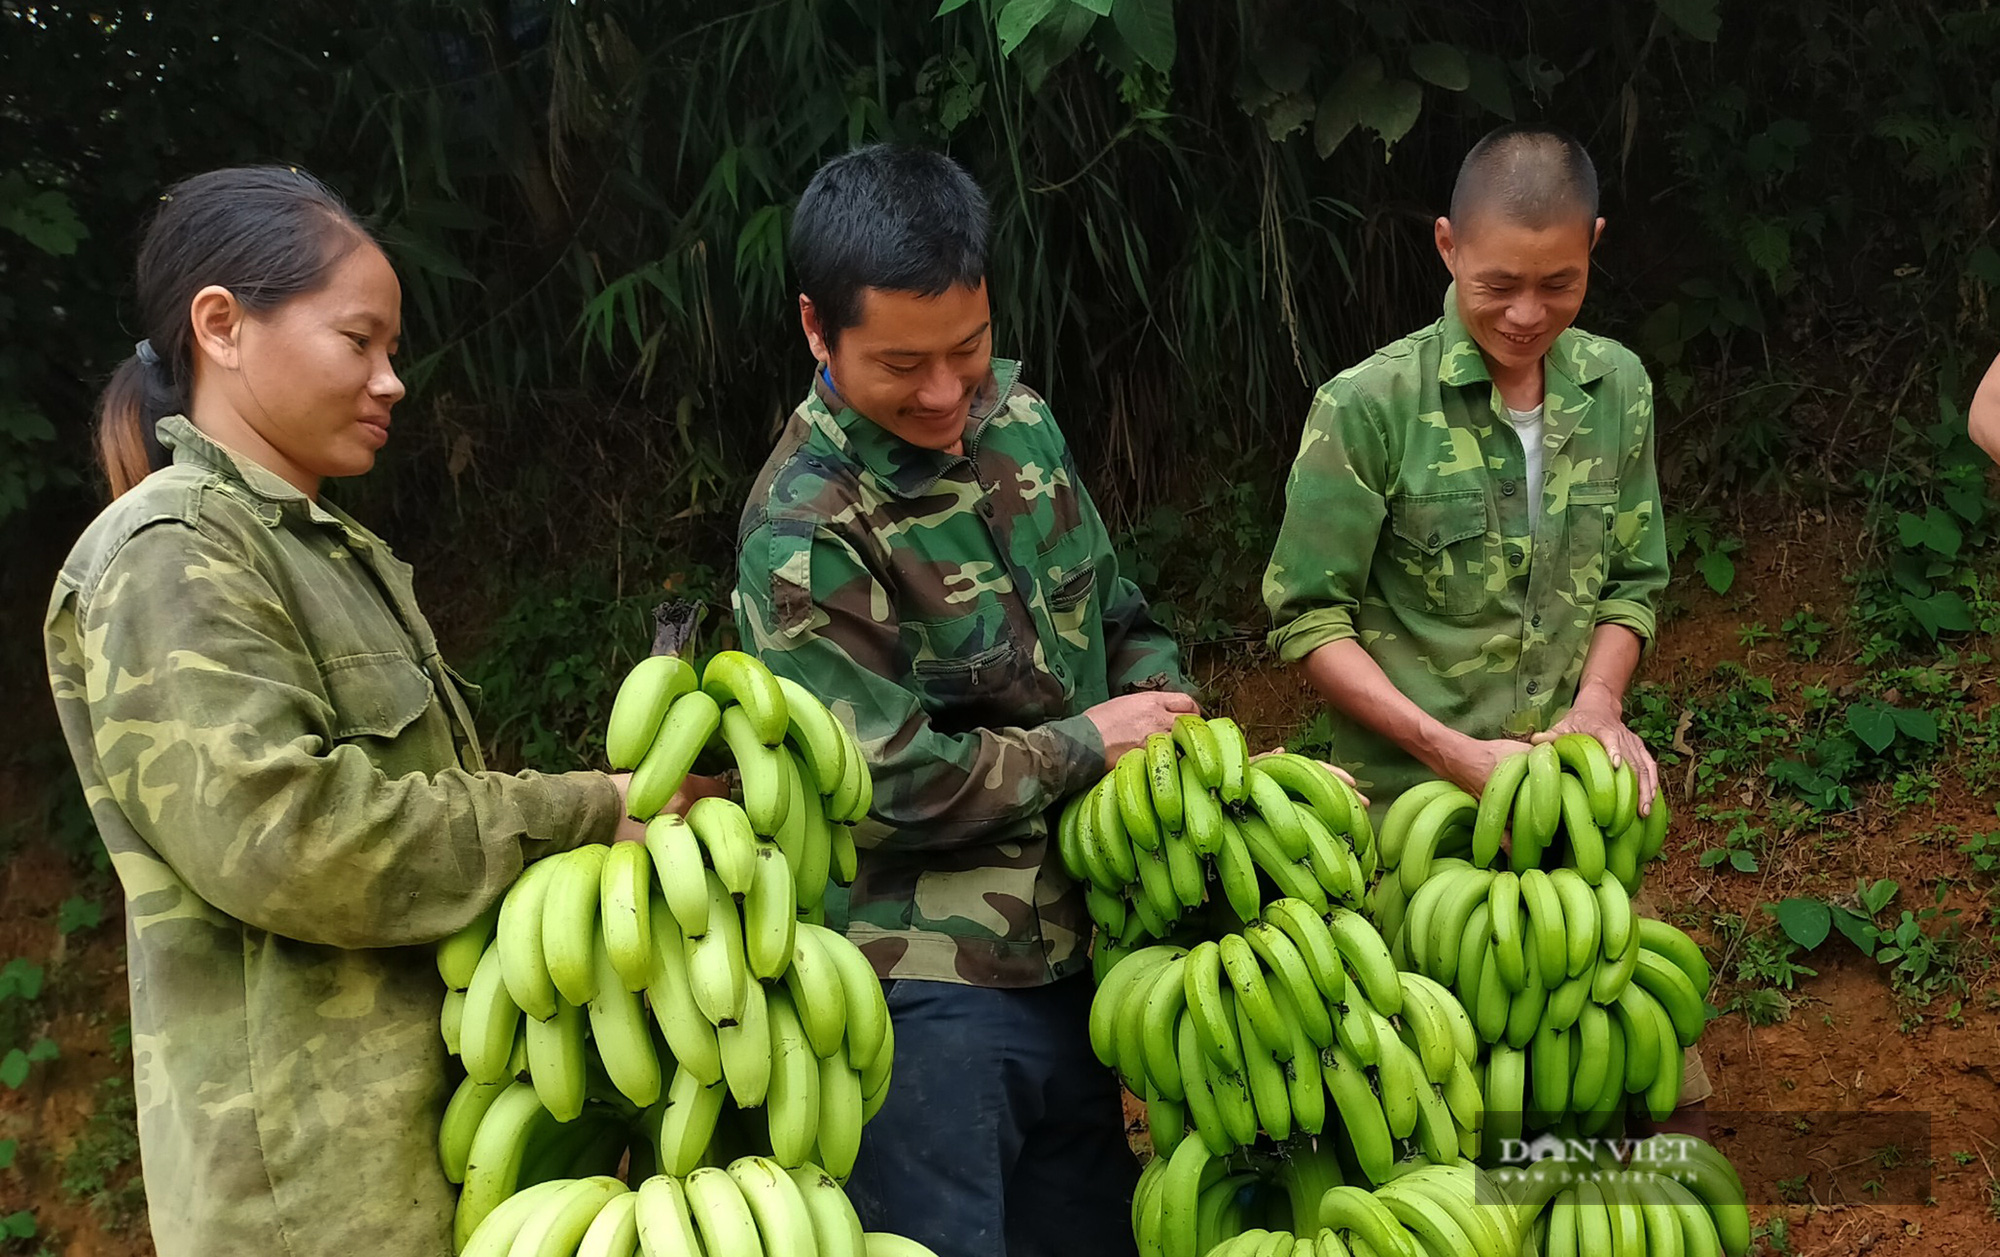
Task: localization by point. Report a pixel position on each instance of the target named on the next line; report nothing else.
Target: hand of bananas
(752, 1207)
(1255, 1031)
(1561, 805)
(1298, 1200)
(669, 997)
(1677, 1196)
(1192, 805)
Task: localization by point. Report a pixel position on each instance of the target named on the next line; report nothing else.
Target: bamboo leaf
(1698, 18)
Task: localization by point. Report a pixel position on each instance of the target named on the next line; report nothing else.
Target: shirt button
(986, 509)
(1533, 686)
(1506, 488)
(1434, 539)
(1514, 556)
(1536, 622)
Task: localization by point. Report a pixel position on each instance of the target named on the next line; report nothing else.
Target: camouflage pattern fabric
(960, 613)
(1407, 527)
(285, 775)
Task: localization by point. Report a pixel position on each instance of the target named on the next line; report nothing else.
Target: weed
(1805, 633)
(93, 1168)
(1753, 634)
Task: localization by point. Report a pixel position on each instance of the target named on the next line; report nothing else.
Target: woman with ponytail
(281, 765)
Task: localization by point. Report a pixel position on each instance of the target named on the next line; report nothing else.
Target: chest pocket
(970, 672)
(1591, 525)
(375, 695)
(1437, 562)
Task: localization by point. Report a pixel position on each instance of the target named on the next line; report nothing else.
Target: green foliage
(93, 1170)
(78, 913)
(20, 987)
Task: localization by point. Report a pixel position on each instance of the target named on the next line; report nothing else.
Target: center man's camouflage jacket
(961, 613)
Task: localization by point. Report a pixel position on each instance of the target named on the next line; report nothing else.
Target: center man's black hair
(890, 217)
(1533, 175)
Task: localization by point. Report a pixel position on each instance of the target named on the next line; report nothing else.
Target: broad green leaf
(1148, 26)
(1697, 17)
(1805, 921)
(78, 913)
(1102, 8)
(18, 1226)
(1873, 724)
(1718, 569)
(1858, 929)
(1441, 64)
(44, 1049)
(7, 1150)
(951, 6)
(21, 977)
(1390, 109)
(45, 218)
(1876, 897)
(14, 1069)
(1743, 861)
(1340, 110)
(1018, 19)
(1917, 723)
(1490, 86)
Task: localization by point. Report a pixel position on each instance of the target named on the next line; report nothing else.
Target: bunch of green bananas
(804, 1049)
(1298, 1202)
(1192, 805)
(1561, 805)
(1678, 1195)
(753, 1207)
(1256, 1030)
(804, 781)
(1579, 1001)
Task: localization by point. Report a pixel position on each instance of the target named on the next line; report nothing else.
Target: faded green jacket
(1407, 527)
(960, 613)
(285, 775)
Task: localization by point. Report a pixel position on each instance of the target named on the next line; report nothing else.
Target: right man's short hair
(1533, 175)
(886, 216)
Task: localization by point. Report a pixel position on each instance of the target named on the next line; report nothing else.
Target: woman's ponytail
(139, 394)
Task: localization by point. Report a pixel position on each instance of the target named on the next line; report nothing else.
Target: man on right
(1473, 543)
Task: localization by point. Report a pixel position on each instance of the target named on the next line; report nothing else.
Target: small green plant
(92, 1169)
(1740, 844)
(20, 987)
(1762, 1006)
(1805, 633)
(1768, 959)
(78, 913)
(1753, 634)
(1964, 1158)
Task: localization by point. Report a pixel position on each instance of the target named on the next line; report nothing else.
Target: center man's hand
(1470, 761)
(1601, 719)
(1126, 721)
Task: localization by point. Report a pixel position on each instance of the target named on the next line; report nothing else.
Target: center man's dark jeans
(1002, 1135)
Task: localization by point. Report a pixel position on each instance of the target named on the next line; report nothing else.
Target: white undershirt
(1528, 426)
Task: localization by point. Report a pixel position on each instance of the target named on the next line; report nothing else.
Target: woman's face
(312, 381)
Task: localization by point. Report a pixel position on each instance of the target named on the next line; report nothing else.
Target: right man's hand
(1468, 761)
(1125, 722)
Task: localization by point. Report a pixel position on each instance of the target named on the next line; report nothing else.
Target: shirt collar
(1573, 357)
(272, 492)
(908, 470)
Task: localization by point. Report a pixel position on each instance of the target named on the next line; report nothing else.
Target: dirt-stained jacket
(285, 775)
(1408, 527)
(960, 613)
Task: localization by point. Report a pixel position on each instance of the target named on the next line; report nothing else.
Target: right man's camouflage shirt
(285, 775)
(960, 613)
(1408, 527)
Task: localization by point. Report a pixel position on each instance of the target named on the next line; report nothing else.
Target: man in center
(1473, 546)
(920, 553)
